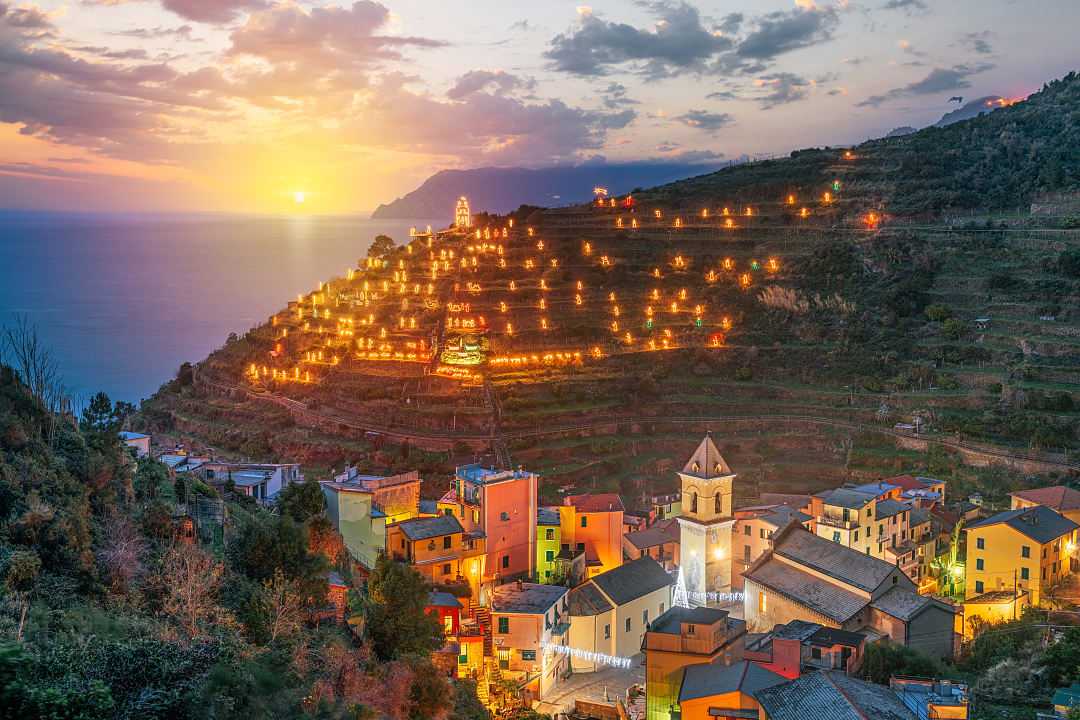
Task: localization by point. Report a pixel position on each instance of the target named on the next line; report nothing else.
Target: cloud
(781, 32)
(678, 43)
(710, 122)
(499, 81)
(614, 96)
(908, 6)
(783, 88)
(521, 26)
(979, 42)
(939, 80)
(212, 11)
(24, 18)
(182, 32)
(667, 146)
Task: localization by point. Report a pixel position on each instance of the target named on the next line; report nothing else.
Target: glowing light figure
(680, 262)
(790, 199)
(804, 213)
(826, 198)
(704, 213)
(529, 264)
(749, 211)
(615, 311)
(543, 304)
(543, 324)
(745, 280)
(543, 284)
(618, 222)
(648, 311)
(615, 326)
(682, 294)
(871, 220)
(729, 223)
(728, 264)
(513, 285)
(678, 222)
(611, 296)
(633, 223)
(580, 286)
(502, 307)
(605, 261)
(674, 306)
(509, 328)
(657, 214)
(628, 339)
(655, 295)
(539, 244)
(587, 248)
(578, 299)
(656, 273)
(554, 262)
(711, 276)
(773, 265)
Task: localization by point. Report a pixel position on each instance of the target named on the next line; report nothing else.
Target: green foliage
(397, 624)
(885, 659)
(382, 246)
(1069, 262)
(467, 705)
(151, 479)
(954, 328)
(938, 312)
(301, 501)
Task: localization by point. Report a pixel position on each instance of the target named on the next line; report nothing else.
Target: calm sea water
(122, 300)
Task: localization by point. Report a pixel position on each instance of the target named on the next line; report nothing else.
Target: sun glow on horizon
(299, 196)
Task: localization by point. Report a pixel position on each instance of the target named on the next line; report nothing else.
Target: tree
(954, 328)
(121, 553)
(397, 623)
(150, 477)
(382, 246)
(99, 416)
(301, 501)
(885, 659)
(283, 604)
(938, 312)
(191, 578)
(19, 578)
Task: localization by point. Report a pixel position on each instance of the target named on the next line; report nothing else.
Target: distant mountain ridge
(501, 190)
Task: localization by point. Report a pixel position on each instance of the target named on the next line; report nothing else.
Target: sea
(122, 300)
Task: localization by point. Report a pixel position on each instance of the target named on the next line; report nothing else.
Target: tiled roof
(796, 630)
(821, 596)
(846, 498)
(781, 515)
(708, 679)
(633, 580)
(587, 600)
(1058, 497)
(530, 598)
(438, 598)
(643, 539)
(847, 565)
(994, 597)
(429, 527)
(904, 604)
(831, 695)
(827, 637)
(919, 516)
(601, 502)
(1039, 523)
(875, 488)
(889, 507)
(707, 462)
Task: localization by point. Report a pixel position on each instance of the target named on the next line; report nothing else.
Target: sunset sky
(238, 105)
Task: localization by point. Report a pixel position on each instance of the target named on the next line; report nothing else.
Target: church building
(706, 522)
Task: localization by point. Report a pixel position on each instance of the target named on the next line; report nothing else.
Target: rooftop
(827, 637)
(1058, 497)
(889, 507)
(438, 598)
(905, 604)
(430, 527)
(600, 502)
(708, 679)
(480, 475)
(833, 559)
(633, 580)
(128, 435)
(994, 597)
(525, 598)
(875, 488)
(707, 462)
(670, 623)
(821, 596)
(1039, 523)
(652, 537)
(846, 498)
(587, 600)
(831, 695)
(547, 516)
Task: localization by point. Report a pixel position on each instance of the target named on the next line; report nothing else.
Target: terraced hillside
(799, 308)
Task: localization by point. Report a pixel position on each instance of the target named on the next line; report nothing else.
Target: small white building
(137, 441)
(261, 481)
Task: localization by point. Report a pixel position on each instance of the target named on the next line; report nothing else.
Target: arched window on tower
(716, 503)
(693, 502)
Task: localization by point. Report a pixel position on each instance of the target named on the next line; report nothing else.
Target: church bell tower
(706, 521)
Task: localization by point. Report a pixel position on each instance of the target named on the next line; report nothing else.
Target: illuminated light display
(554, 262)
(543, 284)
(457, 373)
(848, 155)
(628, 339)
(804, 213)
(618, 222)
(725, 323)
(871, 220)
(611, 296)
(755, 265)
(745, 281)
(728, 264)
(587, 248)
(749, 212)
(605, 261)
(773, 265)
(633, 223)
(543, 304)
(678, 222)
(578, 300)
(556, 357)
(790, 199)
(657, 214)
(655, 294)
(539, 244)
(826, 198)
(615, 326)
(543, 324)
(502, 307)
(656, 273)
(509, 328)
(705, 213)
(729, 223)
(679, 262)
(580, 286)
(711, 276)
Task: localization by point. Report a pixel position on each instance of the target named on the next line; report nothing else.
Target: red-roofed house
(1064, 500)
(593, 524)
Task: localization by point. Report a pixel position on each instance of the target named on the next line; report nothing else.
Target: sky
(324, 106)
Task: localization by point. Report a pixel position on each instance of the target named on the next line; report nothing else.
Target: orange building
(498, 506)
(682, 637)
(438, 548)
(593, 524)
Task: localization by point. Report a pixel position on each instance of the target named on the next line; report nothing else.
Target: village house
(548, 544)
(500, 507)
(800, 646)
(1027, 550)
(920, 491)
(830, 694)
(180, 462)
(360, 523)
(529, 621)
(715, 691)
(610, 612)
(806, 577)
(660, 542)
(664, 507)
(932, 698)
(682, 637)
(753, 532)
(438, 548)
(396, 496)
(593, 524)
(1062, 500)
(261, 481)
(138, 442)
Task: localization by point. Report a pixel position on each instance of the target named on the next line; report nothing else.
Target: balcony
(837, 522)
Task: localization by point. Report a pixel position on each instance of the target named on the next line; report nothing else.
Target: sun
(299, 196)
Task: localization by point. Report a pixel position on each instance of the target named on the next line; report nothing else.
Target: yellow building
(1026, 549)
(438, 548)
(706, 521)
(362, 525)
(548, 540)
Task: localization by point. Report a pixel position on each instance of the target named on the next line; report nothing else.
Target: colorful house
(610, 612)
(830, 694)
(362, 525)
(548, 543)
(725, 692)
(397, 496)
(499, 506)
(1027, 549)
(438, 548)
(530, 623)
(664, 507)
(594, 524)
(138, 442)
(447, 609)
(682, 637)
(753, 533)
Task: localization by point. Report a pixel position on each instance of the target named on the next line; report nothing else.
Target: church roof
(707, 462)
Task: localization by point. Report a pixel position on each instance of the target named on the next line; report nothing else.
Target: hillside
(500, 190)
(799, 308)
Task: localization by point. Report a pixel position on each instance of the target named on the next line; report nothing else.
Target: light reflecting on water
(123, 300)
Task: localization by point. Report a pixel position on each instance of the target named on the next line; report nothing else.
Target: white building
(138, 441)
